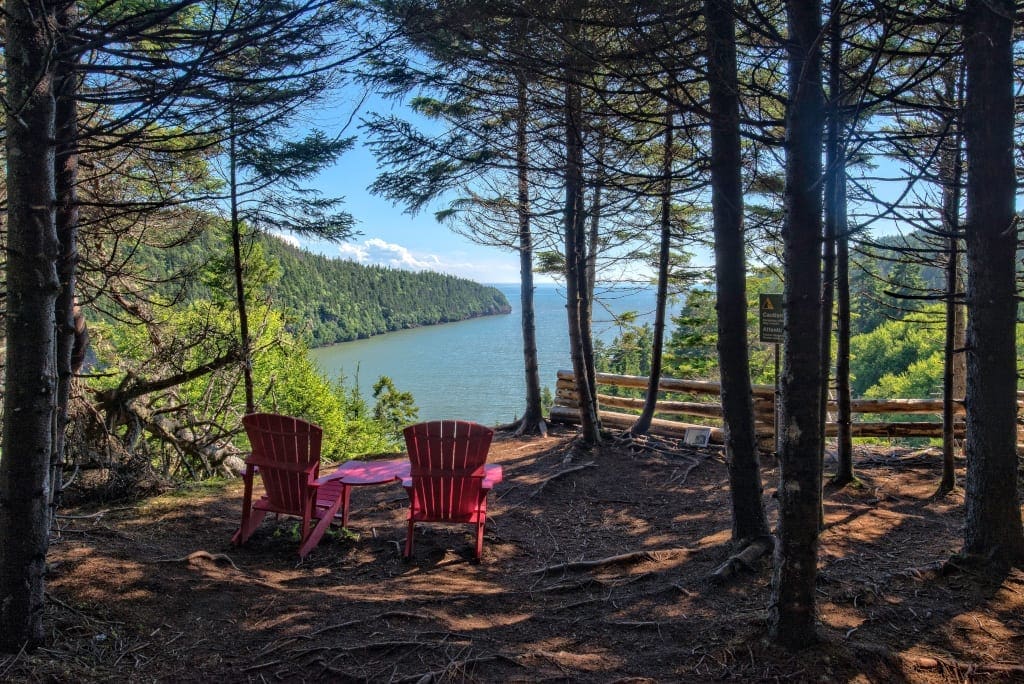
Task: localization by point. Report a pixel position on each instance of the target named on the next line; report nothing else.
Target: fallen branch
(621, 559)
(594, 582)
(97, 514)
(742, 560)
(196, 555)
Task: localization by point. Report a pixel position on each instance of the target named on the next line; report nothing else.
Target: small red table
(358, 473)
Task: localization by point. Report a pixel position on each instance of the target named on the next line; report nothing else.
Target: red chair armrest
(493, 474)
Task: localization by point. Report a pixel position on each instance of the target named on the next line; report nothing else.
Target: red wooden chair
(448, 480)
(286, 456)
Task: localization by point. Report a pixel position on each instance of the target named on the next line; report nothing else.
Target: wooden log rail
(701, 401)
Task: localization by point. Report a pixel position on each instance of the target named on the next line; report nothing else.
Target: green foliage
(547, 400)
(920, 380)
(900, 358)
(286, 380)
(628, 354)
(393, 410)
(691, 350)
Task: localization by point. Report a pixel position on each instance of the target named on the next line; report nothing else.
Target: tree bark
(951, 168)
(844, 393)
(643, 421)
(748, 516)
(792, 613)
(66, 190)
(993, 517)
(32, 288)
(588, 257)
(837, 257)
(575, 261)
(533, 414)
(239, 269)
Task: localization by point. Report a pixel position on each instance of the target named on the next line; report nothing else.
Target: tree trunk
(534, 412)
(951, 168)
(239, 268)
(833, 177)
(66, 189)
(993, 518)
(837, 240)
(32, 288)
(748, 515)
(575, 262)
(844, 406)
(792, 613)
(588, 257)
(643, 422)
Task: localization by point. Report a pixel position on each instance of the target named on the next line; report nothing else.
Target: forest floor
(154, 591)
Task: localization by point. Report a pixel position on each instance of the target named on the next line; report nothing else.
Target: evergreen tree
(993, 526)
(32, 285)
(749, 521)
(792, 616)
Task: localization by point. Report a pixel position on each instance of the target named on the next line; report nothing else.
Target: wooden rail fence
(700, 401)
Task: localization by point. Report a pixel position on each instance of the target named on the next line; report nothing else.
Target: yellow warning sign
(772, 318)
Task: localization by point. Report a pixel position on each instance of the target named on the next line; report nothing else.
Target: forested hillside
(327, 300)
(334, 300)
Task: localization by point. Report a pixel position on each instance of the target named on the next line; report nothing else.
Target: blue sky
(390, 237)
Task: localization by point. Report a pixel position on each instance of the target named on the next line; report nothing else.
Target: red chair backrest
(287, 452)
(447, 467)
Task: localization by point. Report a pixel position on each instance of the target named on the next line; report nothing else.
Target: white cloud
(354, 252)
(401, 257)
(287, 239)
(500, 268)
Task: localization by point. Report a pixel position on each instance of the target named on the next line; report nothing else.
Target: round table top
(371, 472)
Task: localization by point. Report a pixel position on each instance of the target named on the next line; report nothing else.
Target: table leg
(346, 490)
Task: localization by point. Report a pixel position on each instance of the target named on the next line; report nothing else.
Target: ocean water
(473, 370)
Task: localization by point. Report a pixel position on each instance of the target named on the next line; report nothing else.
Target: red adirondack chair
(449, 480)
(286, 456)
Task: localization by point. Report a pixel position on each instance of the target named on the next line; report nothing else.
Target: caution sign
(771, 317)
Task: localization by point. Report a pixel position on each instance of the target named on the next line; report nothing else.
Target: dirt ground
(155, 592)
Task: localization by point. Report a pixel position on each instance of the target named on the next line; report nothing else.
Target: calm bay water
(473, 369)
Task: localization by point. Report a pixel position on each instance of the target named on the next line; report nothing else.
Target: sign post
(771, 319)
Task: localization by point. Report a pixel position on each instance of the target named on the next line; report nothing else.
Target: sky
(387, 235)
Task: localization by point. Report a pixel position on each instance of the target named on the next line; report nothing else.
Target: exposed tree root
(524, 427)
(902, 661)
(529, 428)
(547, 480)
(742, 560)
(391, 614)
(681, 479)
(621, 559)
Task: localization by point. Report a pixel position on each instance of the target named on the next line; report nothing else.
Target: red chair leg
(479, 539)
(245, 529)
(249, 524)
(408, 540)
